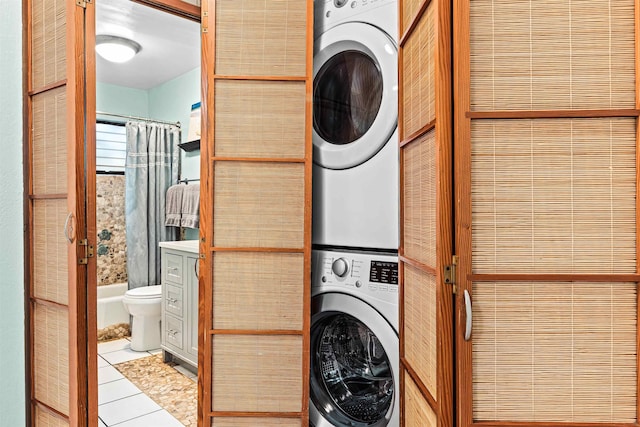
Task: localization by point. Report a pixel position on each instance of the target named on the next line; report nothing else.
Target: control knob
(340, 267)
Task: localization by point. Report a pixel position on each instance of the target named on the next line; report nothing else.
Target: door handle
(68, 228)
(469, 315)
(195, 268)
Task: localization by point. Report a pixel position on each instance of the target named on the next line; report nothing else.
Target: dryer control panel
(336, 11)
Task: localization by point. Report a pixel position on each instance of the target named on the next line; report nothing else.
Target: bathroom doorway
(159, 90)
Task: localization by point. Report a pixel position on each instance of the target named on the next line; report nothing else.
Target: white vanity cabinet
(180, 301)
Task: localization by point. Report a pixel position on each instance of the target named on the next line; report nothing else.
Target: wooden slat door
(426, 331)
(255, 213)
(55, 212)
(546, 167)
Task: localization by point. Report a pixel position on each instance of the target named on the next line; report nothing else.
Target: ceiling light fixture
(116, 49)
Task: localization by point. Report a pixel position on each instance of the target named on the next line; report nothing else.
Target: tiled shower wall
(111, 248)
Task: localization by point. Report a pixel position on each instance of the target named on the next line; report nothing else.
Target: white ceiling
(170, 44)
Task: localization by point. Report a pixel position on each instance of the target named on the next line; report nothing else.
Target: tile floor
(120, 402)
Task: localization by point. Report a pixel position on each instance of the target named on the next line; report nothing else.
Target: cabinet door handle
(195, 269)
(469, 317)
(68, 228)
(172, 300)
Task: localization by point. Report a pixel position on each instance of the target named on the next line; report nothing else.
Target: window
(111, 147)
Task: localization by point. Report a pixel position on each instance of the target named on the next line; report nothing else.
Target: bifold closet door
(55, 212)
(256, 208)
(426, 297)
(547, 209)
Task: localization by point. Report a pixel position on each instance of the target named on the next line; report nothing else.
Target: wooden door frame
(207, 249)
(175, 7)
(463, 116)
(462, 160)
(74, 84)
(92, 273)
(442, 404)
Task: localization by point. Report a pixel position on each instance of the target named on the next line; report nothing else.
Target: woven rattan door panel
(264, 370)
(416, 413)
(256, 213)
(55, 214)
(48, 41)
(50, 271)
(51, 356)
(254, 38)
(426, 348)
(253, 121)
(554, 196)
(547, 352)
(44, 418)
(49, 152)
(419, 71)
(546, 118)
(259, 205)
(552, 55)
(270, 299)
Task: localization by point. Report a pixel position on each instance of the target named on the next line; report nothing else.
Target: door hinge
(450, 273)
(88, 252)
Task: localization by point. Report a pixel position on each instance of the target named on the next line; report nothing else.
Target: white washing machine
(355, 363)
(355, 116)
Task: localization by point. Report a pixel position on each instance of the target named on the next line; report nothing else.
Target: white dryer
(354, 379)
(355, 115)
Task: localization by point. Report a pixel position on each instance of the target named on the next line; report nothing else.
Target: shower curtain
(151, 167)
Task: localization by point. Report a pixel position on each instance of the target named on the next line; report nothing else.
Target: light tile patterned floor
(122, 403)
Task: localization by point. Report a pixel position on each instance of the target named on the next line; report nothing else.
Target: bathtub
(111, 311)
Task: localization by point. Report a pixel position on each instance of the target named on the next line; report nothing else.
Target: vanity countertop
(183, 245)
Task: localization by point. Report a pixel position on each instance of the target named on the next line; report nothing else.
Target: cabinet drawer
(173, 332)
(173, 300)
(173, 268)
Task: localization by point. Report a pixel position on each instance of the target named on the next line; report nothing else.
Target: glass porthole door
(355, 94)
(353, 366)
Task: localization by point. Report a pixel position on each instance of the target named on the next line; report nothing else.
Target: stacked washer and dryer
(354, 326)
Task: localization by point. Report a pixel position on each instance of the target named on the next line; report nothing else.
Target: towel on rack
(191, 206)
(173, 205)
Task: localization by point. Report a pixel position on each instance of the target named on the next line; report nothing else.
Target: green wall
(121, 100)
(172, 101)
(12, 368)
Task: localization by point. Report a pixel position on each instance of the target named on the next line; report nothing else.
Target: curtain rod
(100, 113)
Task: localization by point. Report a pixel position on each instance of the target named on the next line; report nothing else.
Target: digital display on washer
(384, 272)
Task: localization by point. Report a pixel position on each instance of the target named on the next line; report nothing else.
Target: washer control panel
(370, 273)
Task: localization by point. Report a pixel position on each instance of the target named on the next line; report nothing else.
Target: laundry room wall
(12, 368)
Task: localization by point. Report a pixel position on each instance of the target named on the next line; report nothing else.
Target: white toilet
(144, 305)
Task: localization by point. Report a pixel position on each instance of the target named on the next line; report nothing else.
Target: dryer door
(354, 364)
(355, 94)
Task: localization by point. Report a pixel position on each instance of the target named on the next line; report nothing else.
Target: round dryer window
(347, 93)
(355, 94)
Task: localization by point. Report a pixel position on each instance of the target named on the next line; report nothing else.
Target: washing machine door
(354, 365)
(355, 94)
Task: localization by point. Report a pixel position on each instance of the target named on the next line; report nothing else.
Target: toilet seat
(145, 292)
